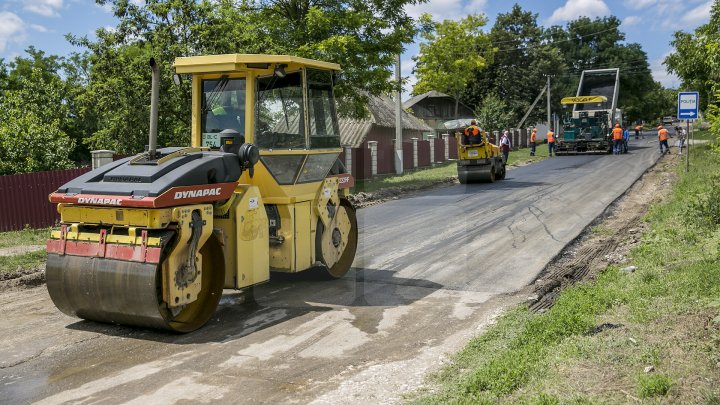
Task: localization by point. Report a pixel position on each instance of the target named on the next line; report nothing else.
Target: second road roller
(479, 160)
(152, 240)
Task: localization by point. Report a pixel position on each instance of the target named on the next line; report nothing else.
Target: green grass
(664, 312)
(23, 238)
(25, 261)
(414, 179)
(653, 385)
(422, 178)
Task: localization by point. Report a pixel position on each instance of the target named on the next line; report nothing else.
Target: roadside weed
(24, 237)
(653, 385)
(25, 261)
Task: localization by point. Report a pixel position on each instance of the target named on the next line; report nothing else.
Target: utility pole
(398, 121)
(548, 102)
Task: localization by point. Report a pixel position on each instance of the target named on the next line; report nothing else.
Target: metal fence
(24, 198)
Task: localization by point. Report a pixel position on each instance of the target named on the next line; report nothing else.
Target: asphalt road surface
(431, 272)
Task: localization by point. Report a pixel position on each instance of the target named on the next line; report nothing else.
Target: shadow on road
(284, 297)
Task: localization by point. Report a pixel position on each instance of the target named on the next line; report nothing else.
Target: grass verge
(24, 238)
(25, 261)
(652, 335)
(428, 177)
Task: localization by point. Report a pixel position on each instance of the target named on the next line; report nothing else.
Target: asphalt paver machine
(152, 240)
(587, 128)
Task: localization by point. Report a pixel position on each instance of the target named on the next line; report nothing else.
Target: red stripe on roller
(131, 253)
(173, 197)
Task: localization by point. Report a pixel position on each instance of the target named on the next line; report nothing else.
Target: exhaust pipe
(154, 100)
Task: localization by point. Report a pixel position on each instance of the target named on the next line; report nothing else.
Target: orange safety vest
(551, 137)
(663, 134)
(472, 130)
(638, 128)
(617, 134)
(533, 136)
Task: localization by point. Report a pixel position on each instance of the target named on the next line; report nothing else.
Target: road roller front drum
(130, 293)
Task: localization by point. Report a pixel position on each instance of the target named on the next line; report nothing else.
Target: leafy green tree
(493, 113)
(362, 36)
(517, 73)
(599, 44)
(452, 55)
(696, 59)
(31, 121)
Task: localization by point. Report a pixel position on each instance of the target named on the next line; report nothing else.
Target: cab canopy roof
(243, 62)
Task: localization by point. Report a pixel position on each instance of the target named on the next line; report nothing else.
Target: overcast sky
(43, 23)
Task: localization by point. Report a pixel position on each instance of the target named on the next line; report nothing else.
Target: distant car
(668, 120)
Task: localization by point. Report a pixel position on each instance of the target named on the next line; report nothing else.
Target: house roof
(382, 113)
(420, 97)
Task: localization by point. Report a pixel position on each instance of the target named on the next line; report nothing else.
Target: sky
(651, 23)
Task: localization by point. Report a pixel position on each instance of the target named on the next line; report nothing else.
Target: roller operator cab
(152, 240)
(479, 162)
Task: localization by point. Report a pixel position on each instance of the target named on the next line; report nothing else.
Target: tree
(493, 113)
(452, 55)
(598, 44)
(364, 44)
(696, 59)
(519, 66)
(31, 134)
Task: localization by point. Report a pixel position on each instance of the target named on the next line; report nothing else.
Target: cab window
(280, 118)
(324, 128)
(223, 107)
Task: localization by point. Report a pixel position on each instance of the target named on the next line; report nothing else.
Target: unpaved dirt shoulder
(22, 278)
(608, 239)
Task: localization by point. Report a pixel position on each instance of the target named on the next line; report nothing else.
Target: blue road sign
(688, 103)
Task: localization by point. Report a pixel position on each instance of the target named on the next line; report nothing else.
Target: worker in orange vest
(638, 129)
(471, 135)
(617, 135)
(551, 141)
(663, 137)
(533, 139)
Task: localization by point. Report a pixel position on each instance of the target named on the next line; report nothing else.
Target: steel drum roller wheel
(335, 246)
(130, 293)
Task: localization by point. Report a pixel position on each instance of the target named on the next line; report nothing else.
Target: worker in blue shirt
(626, 137)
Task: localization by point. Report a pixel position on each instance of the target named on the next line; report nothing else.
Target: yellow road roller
(152, 240)
(479, 161)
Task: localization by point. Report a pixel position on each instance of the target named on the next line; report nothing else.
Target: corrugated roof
(382, 113)
(420, 97)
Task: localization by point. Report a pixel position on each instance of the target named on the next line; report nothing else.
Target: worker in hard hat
(663, 138)
(617, 136)
(472, 134)
(533, 139)
(551, 141)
